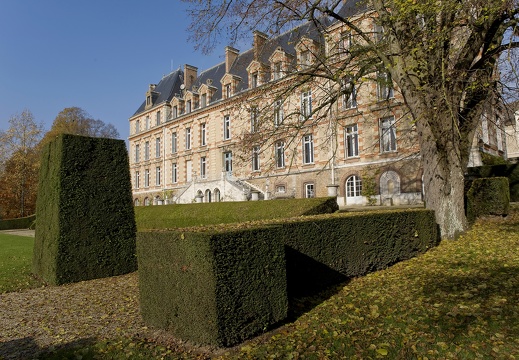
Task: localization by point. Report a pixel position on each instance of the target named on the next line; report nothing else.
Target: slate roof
(170, 84)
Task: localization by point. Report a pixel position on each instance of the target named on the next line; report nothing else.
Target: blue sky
(97, 55)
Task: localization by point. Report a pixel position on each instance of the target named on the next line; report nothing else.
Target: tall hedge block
(216, 288)
(85, 223)
(488, 196)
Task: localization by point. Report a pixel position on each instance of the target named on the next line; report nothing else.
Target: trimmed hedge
(510, 171)
(85, 224)
(19, 223)
(488, 196)
(187, 215)
(321, 253)
(212, 288)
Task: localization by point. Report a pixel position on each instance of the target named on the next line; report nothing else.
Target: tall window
(308, 149)
(147, 122)
(157, 147)
(157, 120)
(175, 111)
(189, 170)
(188, 106)
(278, 113)
(349, 94)
(226, 127)
(344, 42)
(255, 158)
(387, 134)
(188, 138)
(276, 70)
(147, 150)
(203, 135)
(173, 143)
(280, 154)
(203, 165)
(254, 79)
(228, 92)
(254, 119)
(157, 175)
(353, 186)
(137, 126)
(306, 104)
(137, 153)
(137, 179)
(203, 100)
(147, 178)
(352, 140)
(309, 190)
(174, 173)
(305, 58)
(227, 161)
(384, 86)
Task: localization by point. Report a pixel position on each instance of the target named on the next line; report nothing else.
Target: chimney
(190, 75)
(259, 40)
(230, 56)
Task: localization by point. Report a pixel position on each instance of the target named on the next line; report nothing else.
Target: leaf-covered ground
(458, 301)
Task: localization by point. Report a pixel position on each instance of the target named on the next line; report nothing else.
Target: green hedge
(209, 287)
(187, 215)
(320, 253)
(19, 223)
(510, 171)
(85, 224)
(488, 196)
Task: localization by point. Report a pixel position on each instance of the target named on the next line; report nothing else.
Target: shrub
(488, 196)
(85, 225)
(19, 223)
(510, 171)
(216, 288)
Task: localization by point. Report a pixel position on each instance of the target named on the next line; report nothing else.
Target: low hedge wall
(219, 287)
(510, 171)
(187, 215)
(216, 288)
(19, 223)
(488, 196)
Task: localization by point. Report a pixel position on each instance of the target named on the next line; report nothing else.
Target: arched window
(389, 183)
(136, 202)
(146, 201)
(353, 186)
(208, 196)
(217, 195)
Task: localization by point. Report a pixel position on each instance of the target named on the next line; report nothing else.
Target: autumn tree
(443, 56)
(74, 120)
(19, 165)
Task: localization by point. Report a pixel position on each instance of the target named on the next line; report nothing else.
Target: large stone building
(246, 129)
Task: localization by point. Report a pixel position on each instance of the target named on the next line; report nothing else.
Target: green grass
(15, 264)
(189, 215)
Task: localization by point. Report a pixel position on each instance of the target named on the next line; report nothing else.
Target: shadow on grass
(27, 348)
(479, 301)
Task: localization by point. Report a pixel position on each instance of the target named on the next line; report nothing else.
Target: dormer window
(188, 106)
(228, 92)
(148, 100)
(203, 100)
(305, 58)
(175, 111)
(254, 80)
(276, 70)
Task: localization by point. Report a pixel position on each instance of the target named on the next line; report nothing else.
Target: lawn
(15, 263)
(457, 301)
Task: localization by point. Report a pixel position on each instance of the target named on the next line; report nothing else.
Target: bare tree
(443, 55)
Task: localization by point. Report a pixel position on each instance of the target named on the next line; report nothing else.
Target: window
(147, 122)
(175, 111)
(157, 147)
(227, 161)
(351, 140)
(387, 134)
(188, 106)
(255, 158)
(344, 42)
(276, 70)
(379, 33)
(157, 175)
(384, 86)
(189, 170)
(349, 94)
(137, 179)
(203, 165)
(147, 178)
(305, 58)
(280, 154)
(137, 153)
(306, 104)
(226, 127)
(173, 143)
(203, 135)
(147, 150)
(309, 190)
(188, 138)
(174, 173)
(228, 91)
(203, 100)
(254, 119)
(308, 149)
(254, 80)
(137, 126)
(353, 186)
(278, 113)
(281, 189)
(157, 120)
